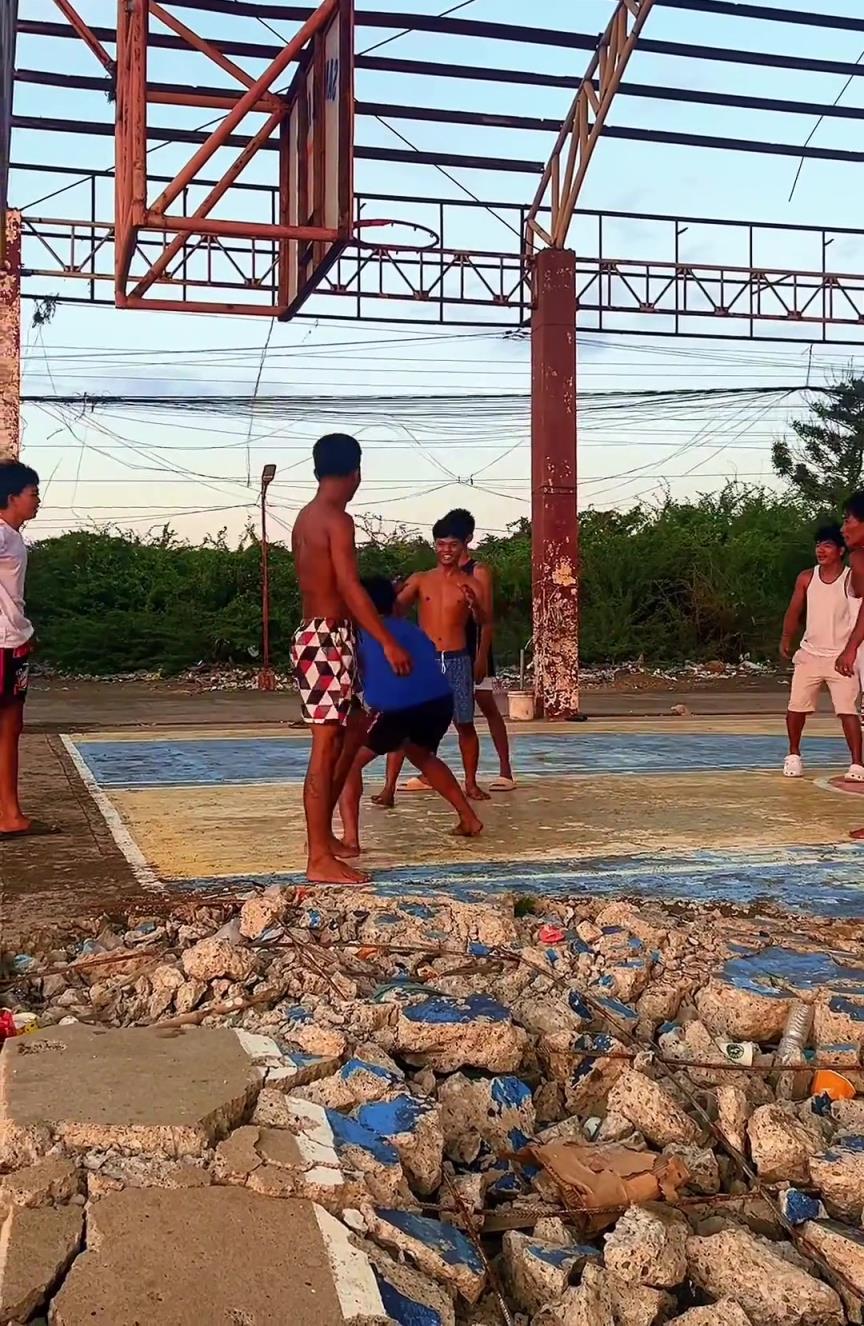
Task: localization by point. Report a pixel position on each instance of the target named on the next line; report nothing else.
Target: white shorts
(810, 675)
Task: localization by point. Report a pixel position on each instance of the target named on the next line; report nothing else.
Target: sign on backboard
(317, 156)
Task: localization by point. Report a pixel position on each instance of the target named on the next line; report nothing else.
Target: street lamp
(266, 679)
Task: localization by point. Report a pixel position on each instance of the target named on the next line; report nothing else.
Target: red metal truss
(137, 217)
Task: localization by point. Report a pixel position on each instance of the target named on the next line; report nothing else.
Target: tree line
(706, 578)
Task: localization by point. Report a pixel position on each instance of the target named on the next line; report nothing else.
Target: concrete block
(237, 1155)
(413, 1128)
(83, 1085)
(838, 1173)
(447, 1034)
(538, 1272)
(36, 1247)
(262, 1050)
(298, 1069)
(843, 1249)
(496, 1110)
(648, 1247)
(590, 1304)
(839, 1017)
(651, 1109)
(262, 912)
(743, 1012)
(354, 1083)
(43, 1184)
(782, 1142)
(799, 1207)
(213, 958)
(587, 1078)
(440, 1250)
(638, 1305)
(410, 1298)
(733, 1112)
(310, 1150)
(218, 1255)
(736, 1264)
(722, 1313)
(701, 1162)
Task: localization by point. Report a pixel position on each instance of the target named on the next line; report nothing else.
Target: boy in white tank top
(825, 595)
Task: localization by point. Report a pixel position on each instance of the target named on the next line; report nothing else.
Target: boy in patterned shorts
(324, 650)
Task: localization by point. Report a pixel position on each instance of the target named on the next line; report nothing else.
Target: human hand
(398, 658)
(481, 668)
(469, 594)
(845, 662)
(786, 649)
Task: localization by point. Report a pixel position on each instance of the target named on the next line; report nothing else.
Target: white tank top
(831, 613)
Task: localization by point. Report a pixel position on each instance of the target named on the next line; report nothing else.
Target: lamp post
(266, 679)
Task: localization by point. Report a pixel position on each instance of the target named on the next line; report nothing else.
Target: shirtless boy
(447, 601)
(19, 502)
(324, 649)
(853, 535)
(480, 647)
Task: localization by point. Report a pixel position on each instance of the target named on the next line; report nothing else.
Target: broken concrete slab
(37, 1244)
(733, 1112)
(496, 1110)
(413, 1127)
(152, 1255)
(84, 1086)
(537, 1271)
(743, 1012)
(782, 1142)
(44, 1184)
(838, 1173)
(590, 1304)
(648, 1247)
(651, 1109)
(409, 1297)
(440, 1250)
(354, 1083)
(447, 1033)
(638, 1305)
(722, 1313)
(772, 1291)
(843, 1250)
(212, 958)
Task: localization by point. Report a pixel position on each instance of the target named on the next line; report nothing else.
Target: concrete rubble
(438, 1107)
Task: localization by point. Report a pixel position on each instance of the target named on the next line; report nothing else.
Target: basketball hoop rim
(382, 245)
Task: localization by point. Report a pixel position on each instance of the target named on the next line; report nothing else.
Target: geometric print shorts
(324, 654)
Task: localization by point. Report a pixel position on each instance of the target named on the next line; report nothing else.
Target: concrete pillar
(10, 339)
(554, 518)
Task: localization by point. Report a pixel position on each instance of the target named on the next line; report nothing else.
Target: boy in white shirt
(19, 502)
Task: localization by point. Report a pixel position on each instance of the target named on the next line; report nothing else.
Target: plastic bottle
(790, 1051)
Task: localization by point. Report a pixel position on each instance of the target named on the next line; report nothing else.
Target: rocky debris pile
(566, 1118)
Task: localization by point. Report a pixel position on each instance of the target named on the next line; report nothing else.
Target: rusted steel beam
(554, 518)
(208, 48)
(10, 340)
(562, 178)
(86, 33)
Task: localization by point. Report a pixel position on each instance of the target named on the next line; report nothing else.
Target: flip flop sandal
(503, 785)
(36, 830)
(855, 774)
(415, 785)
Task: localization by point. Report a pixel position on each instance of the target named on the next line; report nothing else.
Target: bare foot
(339, 847)
(385, 799)
(468, 828)
(16, 824)
(475, 793)
(328, 870)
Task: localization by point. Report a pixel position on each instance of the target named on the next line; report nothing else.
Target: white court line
(143, 872)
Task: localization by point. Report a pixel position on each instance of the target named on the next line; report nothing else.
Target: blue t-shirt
(382, 689)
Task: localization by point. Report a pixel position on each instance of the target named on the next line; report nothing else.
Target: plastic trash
(790, 1052)
(7, 1025)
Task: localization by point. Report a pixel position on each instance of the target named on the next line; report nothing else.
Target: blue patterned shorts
(458, 668)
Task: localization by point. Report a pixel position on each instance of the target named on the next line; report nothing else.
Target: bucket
(521, 706)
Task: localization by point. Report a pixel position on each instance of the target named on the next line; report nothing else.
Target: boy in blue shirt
(410, 713)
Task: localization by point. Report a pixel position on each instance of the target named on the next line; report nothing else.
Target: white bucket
(521, 706)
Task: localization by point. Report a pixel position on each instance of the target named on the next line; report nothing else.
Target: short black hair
(855, 505)
(463, 519)
(382, 593)
(336, 455)
(451, 526)
(15, 476)
(831, 533)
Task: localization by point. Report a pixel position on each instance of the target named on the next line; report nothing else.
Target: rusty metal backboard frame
(314, 121)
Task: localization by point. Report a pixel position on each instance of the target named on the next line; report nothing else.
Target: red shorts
(14, 674)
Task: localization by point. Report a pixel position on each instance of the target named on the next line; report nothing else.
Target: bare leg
(442, 779)
(12, 818)
(349, 802)
(795, 727)
(488, 707)
(352, 740)
(851, 725)
(387, 796)
(469, 745)
(322, 866)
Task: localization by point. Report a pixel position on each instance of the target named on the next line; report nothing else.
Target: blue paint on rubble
(348, 1132)
(775, 969)
(449, 1011)
(354, 1066)
(510, 1093)
(394, 1118)
(449, 1243)
(406, 1311)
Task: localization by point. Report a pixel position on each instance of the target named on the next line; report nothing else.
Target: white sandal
(793, 766)
(855, 773)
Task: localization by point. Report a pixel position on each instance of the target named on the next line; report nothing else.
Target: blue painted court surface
(236, 760)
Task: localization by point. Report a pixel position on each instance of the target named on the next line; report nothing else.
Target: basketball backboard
(199, 234)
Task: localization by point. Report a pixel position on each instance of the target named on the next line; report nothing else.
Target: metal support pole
(10, 339)
(266, 679)
(554, 517)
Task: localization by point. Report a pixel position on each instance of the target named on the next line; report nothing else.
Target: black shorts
(423, 725)
(14, 674)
